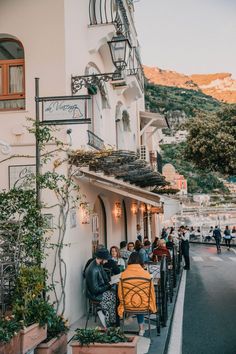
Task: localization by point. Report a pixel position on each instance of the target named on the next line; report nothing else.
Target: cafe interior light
(85, 214)
(134, 208)
(117, 210)
(142, 208)
(149, 207)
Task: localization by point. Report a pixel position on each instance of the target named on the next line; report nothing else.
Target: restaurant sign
(66, 109)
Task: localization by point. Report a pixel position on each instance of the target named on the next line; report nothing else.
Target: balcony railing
(103, 12)
(95, 141)
(135, 67)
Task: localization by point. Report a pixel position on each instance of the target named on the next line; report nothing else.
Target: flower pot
(31, 336)
(102, 348)
(54, 346)
(13, 347)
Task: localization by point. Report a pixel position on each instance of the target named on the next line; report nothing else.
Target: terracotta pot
(13, 347)
(54, 346)
(102, 348)
(31, 336)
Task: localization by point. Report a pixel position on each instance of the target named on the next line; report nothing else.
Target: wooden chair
(92, 307)
(136, 296)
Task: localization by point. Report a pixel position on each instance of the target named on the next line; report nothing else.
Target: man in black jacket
(99, 288)
(217, 237)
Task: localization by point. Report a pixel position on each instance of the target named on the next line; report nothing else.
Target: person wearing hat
(99, 288)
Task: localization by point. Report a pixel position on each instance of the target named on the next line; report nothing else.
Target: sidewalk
(157, 344)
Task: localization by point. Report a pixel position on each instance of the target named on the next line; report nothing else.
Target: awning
(156, 120)
(117, 186)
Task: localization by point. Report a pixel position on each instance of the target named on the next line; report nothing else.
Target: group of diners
(129, 262)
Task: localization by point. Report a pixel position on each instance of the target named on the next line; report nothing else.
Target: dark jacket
(111, 267)
(217, 233)
(97, 281)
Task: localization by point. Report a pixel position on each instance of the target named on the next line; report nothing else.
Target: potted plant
(56, 341)
(95, 341)
(30, 308)
(9, 335)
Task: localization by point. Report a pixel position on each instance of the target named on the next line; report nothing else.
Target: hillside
(198, 181)
(165, 99)
(220, 86)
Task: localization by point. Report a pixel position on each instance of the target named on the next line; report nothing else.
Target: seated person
(130, 247)
(124, 252)
(99, 288)
(160, 251)
(148, 249)
(138, 247)
(115, 254)
(110, 266)
(135, 269)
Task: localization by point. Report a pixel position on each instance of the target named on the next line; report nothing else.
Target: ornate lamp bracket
(77, 82)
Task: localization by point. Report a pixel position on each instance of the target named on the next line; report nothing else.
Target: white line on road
(215, 259)
(233, 259)
(197, 259)
(175, 344)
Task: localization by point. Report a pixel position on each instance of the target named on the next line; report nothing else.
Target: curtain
(16, 79)
(12, 104)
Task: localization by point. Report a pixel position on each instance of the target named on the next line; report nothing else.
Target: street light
(120, 49)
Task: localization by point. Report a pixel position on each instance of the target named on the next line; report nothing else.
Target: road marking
(175, 343)
(197, 259)
(215, 259)
(233, 259)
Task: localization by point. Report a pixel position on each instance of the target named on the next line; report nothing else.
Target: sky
(188, 36)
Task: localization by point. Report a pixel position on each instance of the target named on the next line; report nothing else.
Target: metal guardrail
(164, 291)
(135, 67)
(95, 141)
(103, 12)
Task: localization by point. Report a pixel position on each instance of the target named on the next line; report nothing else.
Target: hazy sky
(188, 36)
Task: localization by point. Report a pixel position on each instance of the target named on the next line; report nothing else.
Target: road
(209, 320)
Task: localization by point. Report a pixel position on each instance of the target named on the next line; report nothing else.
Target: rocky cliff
(220, 85)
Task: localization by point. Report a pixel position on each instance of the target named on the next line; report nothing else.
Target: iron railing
(135, 67)
(103, 12)
(95, 141)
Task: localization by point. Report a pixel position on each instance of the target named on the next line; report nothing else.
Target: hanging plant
(92, 89)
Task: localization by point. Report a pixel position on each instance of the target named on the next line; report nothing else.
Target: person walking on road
(185, 235)
(227, 237)
(217, 237)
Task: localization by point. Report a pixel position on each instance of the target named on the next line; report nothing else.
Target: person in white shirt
(185, 235)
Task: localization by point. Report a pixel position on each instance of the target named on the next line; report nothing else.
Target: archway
(101, 221)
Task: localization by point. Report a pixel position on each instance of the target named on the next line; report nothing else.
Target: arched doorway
(100, 229)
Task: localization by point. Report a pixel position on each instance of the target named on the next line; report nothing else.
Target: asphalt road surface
(209, 322)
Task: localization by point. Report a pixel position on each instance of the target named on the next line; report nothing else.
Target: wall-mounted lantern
(85, 214)
(120, 49)
(134, 208)
(142, 208)
(117, 210)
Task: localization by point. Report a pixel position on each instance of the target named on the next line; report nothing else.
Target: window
(12, 90)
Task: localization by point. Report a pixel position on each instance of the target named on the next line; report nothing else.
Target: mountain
(220, 86)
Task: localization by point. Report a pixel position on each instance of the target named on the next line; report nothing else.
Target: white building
(54, 41)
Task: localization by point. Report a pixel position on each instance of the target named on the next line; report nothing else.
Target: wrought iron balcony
(95, 141)
(103, 12)
(135, 67)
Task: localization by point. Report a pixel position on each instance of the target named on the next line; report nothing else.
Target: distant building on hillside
(179, 137)
(176, 180)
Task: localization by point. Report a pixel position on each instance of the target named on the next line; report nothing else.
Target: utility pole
(37, 147)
